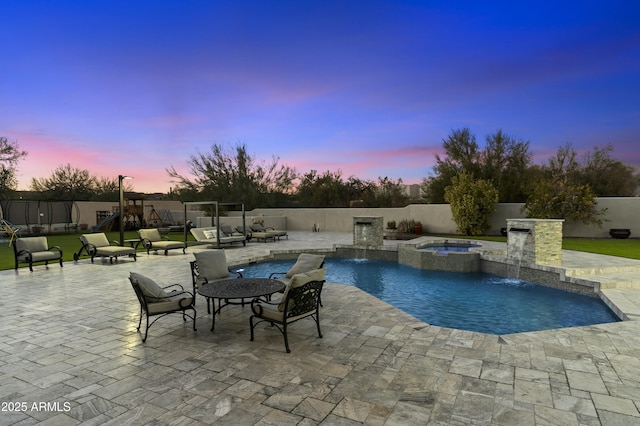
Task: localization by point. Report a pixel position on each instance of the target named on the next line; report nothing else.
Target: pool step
(601, 270)
(620, 280)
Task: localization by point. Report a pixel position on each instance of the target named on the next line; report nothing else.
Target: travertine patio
(68, 338)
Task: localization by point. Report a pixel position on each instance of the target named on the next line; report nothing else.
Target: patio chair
(306, 262)
(209, 235)
(256, 227)
(97, 245)
(301, 299)
(264, 236)
(210, 266)
(152, 240)
(35, 249)
(161, 301)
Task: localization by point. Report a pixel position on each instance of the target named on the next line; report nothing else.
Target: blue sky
(366, 87)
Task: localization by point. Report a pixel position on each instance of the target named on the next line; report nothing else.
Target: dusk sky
(369, 88)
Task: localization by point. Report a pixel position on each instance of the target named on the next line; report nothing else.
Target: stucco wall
(622, 212)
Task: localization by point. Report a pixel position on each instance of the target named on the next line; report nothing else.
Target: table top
(240, 288)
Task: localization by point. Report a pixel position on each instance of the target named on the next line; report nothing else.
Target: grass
(629, 248)
(70, 244)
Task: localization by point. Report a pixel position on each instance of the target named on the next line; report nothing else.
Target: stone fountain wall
(535, 240)
(368, 231)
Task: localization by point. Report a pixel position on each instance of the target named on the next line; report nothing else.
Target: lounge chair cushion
(97, 240)
(151, 234)
(171, 303)
(306, 262)
(212, 264)
(38, 247)
(148, 286)
(300, 280)
(32, 244)
(209, 234)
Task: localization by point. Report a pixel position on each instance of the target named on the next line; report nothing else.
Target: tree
(324, 190)
(235, 176)
(10, 154)
(388, 193)
(461, 155)
(560, 193)
(472, 201)
(606, 176)
(504, 161)
(66, 183)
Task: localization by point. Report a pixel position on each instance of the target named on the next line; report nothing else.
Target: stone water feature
(535, 241)
(368, 231)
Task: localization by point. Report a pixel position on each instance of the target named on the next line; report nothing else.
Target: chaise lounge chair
(263, 236)
(209, 235)
(98, 245)
(256, 227)
(152, 240)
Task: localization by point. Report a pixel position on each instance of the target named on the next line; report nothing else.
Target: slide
(107, 221)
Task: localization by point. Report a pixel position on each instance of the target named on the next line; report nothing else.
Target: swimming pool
(468, 301)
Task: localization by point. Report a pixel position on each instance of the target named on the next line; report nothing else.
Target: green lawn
(622, 248)
(70, 244)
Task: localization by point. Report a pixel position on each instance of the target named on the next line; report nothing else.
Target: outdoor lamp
(121, 206)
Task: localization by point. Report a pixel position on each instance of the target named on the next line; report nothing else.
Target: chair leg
(140, 320)
(146, 330)
(251, 327)
(286, 339)
(317, 318)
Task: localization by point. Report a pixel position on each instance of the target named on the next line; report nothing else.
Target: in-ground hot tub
(449, 247)
(442, 255)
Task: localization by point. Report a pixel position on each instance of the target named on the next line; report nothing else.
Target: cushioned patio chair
(306, 262)
(256, 227)
(97, 245)
(152, 240)
(263, 236)
(210, 266)
(160, 301)
(35, 249)
(301, 299)
(209, 235)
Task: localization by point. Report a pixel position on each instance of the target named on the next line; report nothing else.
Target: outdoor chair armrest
(256, 305)
(91, 249)
(273, 274)
(175, 285)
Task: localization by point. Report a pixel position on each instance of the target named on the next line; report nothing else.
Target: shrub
(472, 201)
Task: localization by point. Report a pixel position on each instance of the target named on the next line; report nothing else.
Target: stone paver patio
(70, 354)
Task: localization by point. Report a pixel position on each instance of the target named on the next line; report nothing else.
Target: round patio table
(238, 288)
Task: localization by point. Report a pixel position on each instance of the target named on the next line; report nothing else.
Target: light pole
(121, 206)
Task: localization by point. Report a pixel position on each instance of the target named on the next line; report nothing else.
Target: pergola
(215, 207)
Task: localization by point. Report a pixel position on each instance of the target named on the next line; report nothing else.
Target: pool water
(446, 248)
(468, 301)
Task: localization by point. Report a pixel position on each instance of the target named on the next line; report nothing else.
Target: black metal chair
(161, 301)
(298, 302)
(35, 249)
(210, 266)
